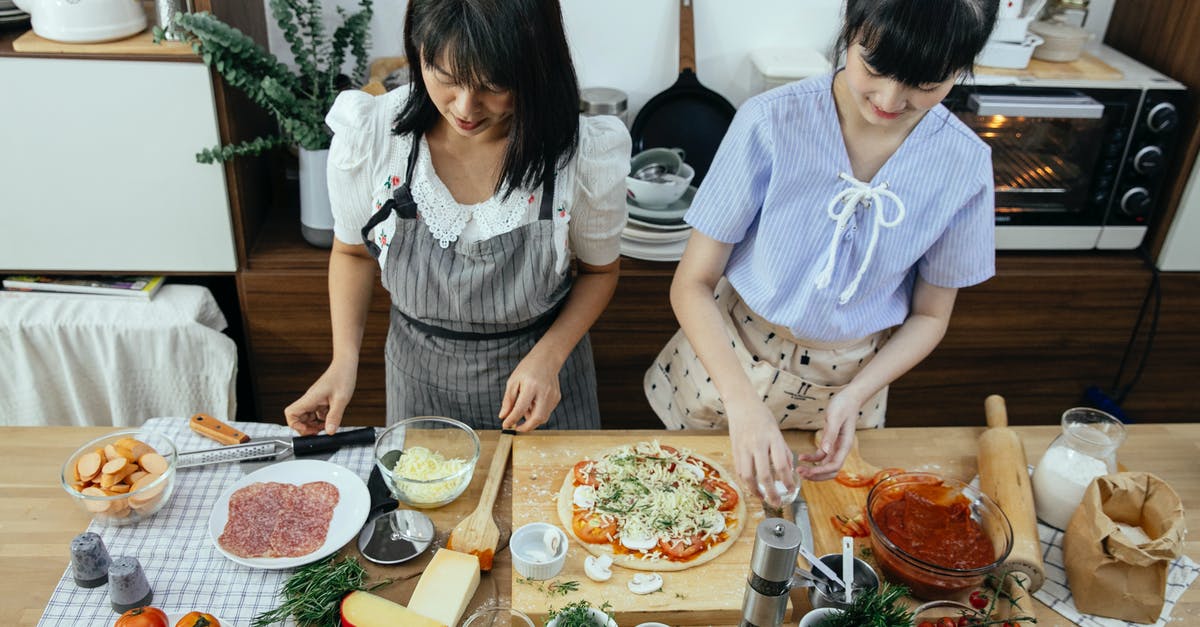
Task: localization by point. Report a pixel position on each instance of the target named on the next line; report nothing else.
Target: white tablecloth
(79, 360)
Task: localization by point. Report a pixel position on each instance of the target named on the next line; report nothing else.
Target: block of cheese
(363, 609)
(446, 586)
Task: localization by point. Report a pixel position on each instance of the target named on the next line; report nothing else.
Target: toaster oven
(1075, 168)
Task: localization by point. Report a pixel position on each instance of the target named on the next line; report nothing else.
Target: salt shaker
(89, 560)
(1086, 449)
(128, 587)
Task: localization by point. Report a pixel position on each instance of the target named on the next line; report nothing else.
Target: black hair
(516, 45)
(918, 42)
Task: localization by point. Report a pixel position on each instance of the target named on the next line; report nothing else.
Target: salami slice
(269, 519)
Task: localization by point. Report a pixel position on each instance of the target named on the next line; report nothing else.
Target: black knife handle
(314, 444)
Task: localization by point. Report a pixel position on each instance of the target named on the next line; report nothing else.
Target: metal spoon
(653, 172)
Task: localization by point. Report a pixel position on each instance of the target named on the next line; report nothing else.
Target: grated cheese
(417, 473)
(654, 494)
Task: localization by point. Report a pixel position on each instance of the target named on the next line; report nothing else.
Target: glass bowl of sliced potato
(122, 478)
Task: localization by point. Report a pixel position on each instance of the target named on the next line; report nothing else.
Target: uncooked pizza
(652, 507)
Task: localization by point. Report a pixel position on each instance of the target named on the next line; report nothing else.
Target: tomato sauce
(933, 523)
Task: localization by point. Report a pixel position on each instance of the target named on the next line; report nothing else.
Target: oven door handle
(1076, 106)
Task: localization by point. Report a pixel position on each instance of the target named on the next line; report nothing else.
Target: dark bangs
(917, 42)
(514, 45)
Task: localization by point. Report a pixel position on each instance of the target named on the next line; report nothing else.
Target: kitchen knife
(800, 515)
(267, 450)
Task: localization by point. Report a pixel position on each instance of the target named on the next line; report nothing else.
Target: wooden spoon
(478, 534)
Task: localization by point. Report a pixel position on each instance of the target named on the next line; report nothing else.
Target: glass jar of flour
(1086, 449)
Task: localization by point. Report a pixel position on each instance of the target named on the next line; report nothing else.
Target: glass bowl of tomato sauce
(938, 536)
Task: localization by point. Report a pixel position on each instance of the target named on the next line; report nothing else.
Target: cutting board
(139, 44)
(1086, 67)
(829, 498)
(710, 594)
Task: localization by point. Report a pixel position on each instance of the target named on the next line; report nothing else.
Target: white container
(817, 616)
(316, 212)
(1063, 42)
(660, 194)
(539, 550)
(778, 66)
(73, 21)
(1007, 55)
(1086, 449)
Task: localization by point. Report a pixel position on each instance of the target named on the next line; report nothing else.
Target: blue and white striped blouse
(781, 189)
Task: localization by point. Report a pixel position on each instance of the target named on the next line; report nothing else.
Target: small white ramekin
(531, 556)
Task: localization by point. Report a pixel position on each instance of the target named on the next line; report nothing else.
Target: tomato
(682, 548)
(855, 526)
(852, 480)
(978, 600)
(585, 475)
(885, 473)
(927, 623)
(709, 471)
(724, 491)
(143, 617)
(946, 621)
(592, 528)
(198, 619)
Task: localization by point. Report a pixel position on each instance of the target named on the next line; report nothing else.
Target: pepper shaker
(89, 560)
(128, 587)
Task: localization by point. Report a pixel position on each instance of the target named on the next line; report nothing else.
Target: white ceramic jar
(1086, 449)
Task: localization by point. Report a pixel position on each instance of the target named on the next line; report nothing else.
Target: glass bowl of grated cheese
(427, 461)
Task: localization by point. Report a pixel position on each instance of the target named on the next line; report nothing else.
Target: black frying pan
(687, 115)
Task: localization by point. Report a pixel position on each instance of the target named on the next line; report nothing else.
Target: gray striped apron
(464, 316)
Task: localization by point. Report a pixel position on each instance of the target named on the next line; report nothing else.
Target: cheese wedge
(363, 609)
(446, 586)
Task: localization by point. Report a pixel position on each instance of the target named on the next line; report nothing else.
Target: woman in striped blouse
(839, 218)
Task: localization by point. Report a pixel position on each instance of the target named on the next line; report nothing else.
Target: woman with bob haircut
(840, 217)
(472, 189)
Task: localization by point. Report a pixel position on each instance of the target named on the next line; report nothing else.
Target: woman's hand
(322, 406)
(532, 392)
(761, 456)
(841, 418)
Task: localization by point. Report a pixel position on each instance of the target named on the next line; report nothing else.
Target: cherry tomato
(854, 527)
(964, 621)
(682, 548)
(979, 600)
(724, 491)
(885, 473)
(927, 623)
(852, 480)
(946, 621)
(143, 617)
(198, 619)
(592, 528)
(585, 473)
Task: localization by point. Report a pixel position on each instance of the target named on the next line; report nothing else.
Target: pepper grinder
(776, 545)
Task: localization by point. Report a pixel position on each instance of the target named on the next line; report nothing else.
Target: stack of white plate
(10, 14)
(657, 234)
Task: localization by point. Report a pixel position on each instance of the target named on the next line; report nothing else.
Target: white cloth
(366, 162)
(77, 360)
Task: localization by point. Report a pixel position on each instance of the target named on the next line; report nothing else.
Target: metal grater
(273, 450)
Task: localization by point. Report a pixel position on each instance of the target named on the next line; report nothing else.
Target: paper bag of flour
(1120, 543)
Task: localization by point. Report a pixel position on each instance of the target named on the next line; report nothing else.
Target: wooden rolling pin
(1004, 476)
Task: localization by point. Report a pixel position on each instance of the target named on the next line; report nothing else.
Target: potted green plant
(581, 614)
(297, 98)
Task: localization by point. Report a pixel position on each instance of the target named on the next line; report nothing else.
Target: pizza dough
(648, 496)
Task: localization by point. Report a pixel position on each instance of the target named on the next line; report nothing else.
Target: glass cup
(498, 617)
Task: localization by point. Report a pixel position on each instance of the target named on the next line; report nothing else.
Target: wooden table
(38, 520)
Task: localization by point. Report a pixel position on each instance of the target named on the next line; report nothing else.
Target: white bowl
(660, 194)
(531, 557)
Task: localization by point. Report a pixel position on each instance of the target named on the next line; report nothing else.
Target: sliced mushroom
(645, 583)
(598, 568)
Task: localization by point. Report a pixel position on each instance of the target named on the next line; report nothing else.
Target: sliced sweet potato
(153, 463)
(89, 465)
(95, 506)
(133, 478)
(118, 488)
(108, 480)
(115, 465)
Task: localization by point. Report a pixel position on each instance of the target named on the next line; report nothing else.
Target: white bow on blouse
(850, 199)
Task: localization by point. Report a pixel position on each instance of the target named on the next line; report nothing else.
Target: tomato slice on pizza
(652, 507)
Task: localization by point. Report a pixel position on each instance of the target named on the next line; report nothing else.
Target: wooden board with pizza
(664, 496)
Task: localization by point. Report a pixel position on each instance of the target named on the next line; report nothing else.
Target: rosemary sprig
(876, 608)
(554, 588)
(577, 615)
(312, 595)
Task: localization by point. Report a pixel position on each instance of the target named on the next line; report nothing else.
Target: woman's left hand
(532, 393)
(841, 418)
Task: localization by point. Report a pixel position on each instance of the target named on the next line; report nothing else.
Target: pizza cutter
(391, 535)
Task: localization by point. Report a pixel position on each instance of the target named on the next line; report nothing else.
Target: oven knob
(1162, 117)
(1148, 160)
(1136, 202)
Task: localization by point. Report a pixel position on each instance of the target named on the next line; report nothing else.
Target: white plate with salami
(289, 514)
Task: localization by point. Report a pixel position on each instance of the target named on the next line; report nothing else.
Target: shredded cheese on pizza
(654, 494)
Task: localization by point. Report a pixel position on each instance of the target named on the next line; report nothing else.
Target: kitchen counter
(38, 520)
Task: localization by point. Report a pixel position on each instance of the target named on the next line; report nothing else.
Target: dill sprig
(313, 594)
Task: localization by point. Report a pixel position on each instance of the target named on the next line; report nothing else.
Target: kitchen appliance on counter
(1075, 167)
(85, 21)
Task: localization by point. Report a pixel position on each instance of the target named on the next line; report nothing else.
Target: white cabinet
(97, 168)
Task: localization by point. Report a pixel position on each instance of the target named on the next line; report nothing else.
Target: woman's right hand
(322, 405)
(760, 454)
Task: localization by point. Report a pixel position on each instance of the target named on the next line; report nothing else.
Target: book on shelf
(127, 286)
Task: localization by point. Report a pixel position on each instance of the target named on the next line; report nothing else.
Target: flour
(1059, 482)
